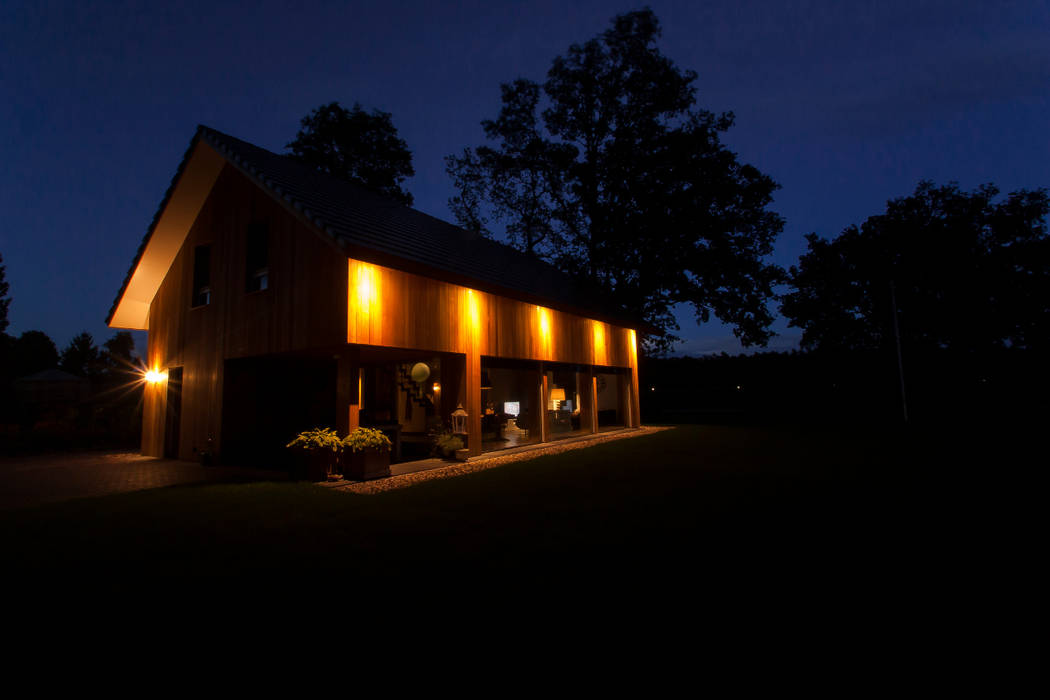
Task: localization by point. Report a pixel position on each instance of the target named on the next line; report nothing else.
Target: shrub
(446, 444)
(316, 439)
(361, 439)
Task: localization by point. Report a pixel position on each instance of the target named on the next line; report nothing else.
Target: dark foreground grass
(693, 502)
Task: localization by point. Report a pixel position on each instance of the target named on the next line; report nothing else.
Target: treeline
(83, 396)
(937, 309)
(847, 388)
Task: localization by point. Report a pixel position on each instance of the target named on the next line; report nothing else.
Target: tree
(609, 171)
(81, 356)
(5, 303)
(33, 352)
(968, 273)
(357, 146)
(118, 353)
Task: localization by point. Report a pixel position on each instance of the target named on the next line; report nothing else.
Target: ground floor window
(568, 401)
(612, 388)
(403, 395)
(510, 403)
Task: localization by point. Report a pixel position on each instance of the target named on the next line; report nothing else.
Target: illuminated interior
(510, 399)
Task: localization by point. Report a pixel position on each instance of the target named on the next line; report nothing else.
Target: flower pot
(462, 455)
(367, 464)
(316, 464)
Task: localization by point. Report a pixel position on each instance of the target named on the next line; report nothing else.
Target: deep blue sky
(845, 104)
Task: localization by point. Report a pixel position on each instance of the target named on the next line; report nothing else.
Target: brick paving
(27, 481)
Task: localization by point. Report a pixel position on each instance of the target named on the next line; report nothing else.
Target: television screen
(512, 407)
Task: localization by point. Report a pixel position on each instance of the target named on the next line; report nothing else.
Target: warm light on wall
(632, 341)
(367, 288)
(543, 327)
(364, 308)
(469, 318)
(601, 353)
(475, 315)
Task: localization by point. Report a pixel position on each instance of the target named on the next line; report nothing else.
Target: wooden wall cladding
(299, 311)
(388, 307)
(317, 300)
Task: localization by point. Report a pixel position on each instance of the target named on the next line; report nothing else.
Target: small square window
(257, 258)
(201, 276)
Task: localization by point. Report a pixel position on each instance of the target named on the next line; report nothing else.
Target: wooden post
(348, 390)
(592, 391)
(473, 406)
(633, 396)
(545, 419)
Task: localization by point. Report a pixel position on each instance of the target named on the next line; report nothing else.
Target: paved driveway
(26, 481)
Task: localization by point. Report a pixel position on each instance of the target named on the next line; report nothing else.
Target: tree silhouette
(118, 353)
(967, 272)
(357, 146)
(5, 302)
(610, 172)
(81, 356)
(33, 352)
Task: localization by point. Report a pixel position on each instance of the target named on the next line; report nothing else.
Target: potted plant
(447, 445)
(319, 452)
(366, 454)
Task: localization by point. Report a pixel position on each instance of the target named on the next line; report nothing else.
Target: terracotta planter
(367, 464)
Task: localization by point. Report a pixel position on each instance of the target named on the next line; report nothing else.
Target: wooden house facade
(278, 299)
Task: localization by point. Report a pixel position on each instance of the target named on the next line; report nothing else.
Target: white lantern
(459, 420)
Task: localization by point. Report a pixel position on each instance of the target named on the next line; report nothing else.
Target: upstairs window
(257, 258)
(201, 276)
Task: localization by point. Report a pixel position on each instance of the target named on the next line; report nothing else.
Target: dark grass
(692, 504)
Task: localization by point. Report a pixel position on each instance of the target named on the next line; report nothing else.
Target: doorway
(173, 413)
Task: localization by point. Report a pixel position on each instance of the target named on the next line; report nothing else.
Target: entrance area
(410, 396)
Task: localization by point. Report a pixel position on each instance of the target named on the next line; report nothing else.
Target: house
(278, 298)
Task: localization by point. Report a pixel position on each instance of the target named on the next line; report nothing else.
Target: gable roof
(377, 229)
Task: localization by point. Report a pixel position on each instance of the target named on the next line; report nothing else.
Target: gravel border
(479, 464)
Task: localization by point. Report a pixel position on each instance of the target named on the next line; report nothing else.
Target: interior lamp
(557, 396)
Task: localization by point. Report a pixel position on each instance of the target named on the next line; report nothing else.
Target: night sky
(844, 104)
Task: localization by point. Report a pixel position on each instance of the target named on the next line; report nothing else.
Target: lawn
(649, 508)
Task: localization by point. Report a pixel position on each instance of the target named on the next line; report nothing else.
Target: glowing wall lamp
(153, 376)
(543, 327)
(601, 353)
(364, 307)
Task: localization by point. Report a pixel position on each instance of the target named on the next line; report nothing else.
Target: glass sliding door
(612, 386)
(568, 394)
(510, 403)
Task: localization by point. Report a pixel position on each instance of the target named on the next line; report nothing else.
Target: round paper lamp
(420, 372)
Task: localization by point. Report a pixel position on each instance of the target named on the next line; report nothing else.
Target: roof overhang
(178, 211)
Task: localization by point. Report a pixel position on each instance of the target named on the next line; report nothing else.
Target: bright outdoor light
(154, 377)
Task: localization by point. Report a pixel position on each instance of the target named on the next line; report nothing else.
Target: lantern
(459, 420)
